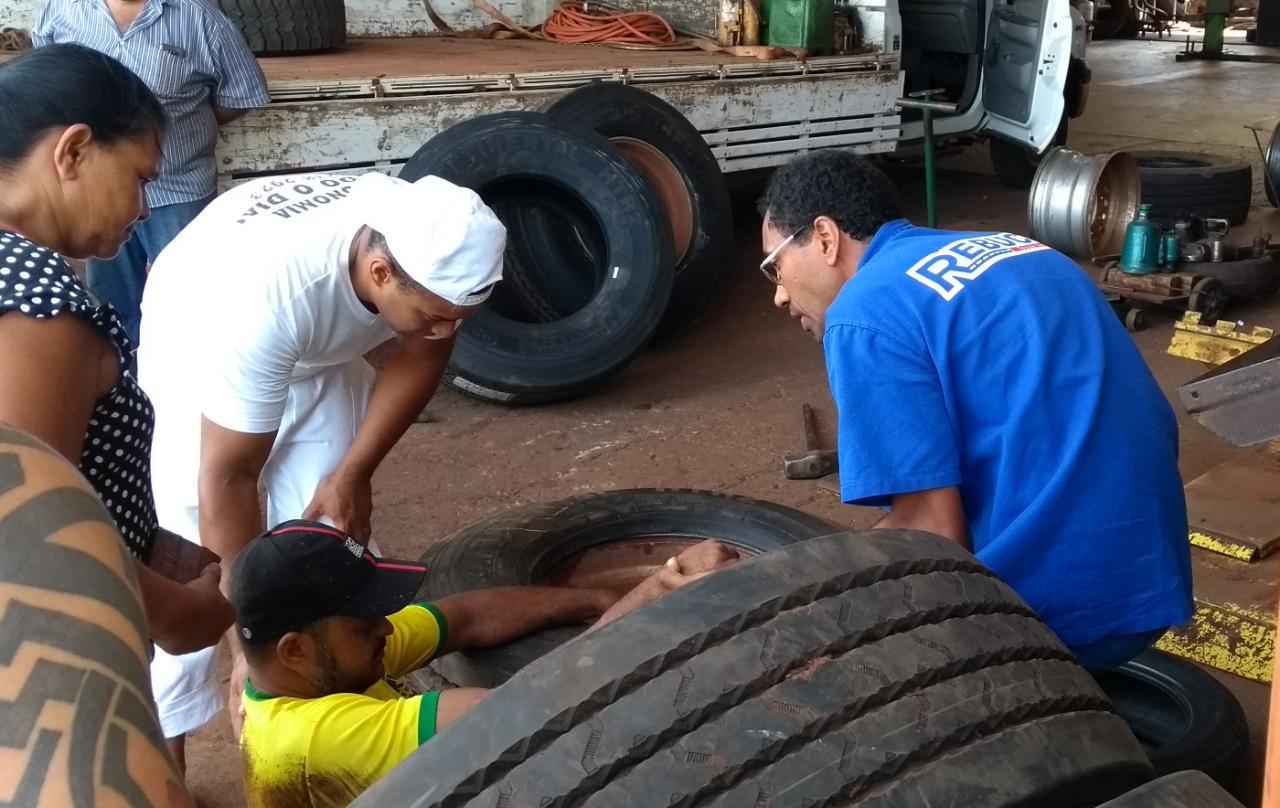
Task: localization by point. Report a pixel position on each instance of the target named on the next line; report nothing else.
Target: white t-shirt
(253, 295)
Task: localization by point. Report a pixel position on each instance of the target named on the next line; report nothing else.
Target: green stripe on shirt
(444, 627)
(428, 705)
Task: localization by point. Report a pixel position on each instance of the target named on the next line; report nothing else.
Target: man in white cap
(257, 318)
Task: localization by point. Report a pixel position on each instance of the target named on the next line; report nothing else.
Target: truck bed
(431, 65)
(435, 56)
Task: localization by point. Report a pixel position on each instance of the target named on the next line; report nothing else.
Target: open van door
(1025, 70)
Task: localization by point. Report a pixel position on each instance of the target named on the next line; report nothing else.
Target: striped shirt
(191, 56)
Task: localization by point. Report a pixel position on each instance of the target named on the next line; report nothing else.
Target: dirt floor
(715, 407)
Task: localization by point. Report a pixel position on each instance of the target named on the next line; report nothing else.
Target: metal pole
(922, 101)
(930, 190)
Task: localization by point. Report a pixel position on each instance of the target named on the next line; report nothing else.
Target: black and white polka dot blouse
(116, 459)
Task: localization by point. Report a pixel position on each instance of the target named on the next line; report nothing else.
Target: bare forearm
(73, 610)
(488, 617)
(647, 591)
(230, 516)
(404, 387)
(938, 511)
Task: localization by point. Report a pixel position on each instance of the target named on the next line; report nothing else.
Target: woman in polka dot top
(81, 139)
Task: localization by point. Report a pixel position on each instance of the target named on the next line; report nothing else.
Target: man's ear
(296, 651)
(71, 149)
(381, 272)
(828, 234)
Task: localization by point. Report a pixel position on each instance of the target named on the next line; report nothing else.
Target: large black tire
(1016, 164)
(1179, 185)
(289, 27)
(1184, 716)
(502, 359)
(1110, 21)
(518, 547)
(885, 669)
(1181, 790)
(617, 111)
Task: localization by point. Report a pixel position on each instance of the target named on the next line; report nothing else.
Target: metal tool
(813, 463)
(924, 101)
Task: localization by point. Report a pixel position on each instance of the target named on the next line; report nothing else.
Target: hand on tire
(696, 562)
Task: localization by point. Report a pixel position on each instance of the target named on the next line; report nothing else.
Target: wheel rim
(621, 564)
(1081, 204)
(672, 192)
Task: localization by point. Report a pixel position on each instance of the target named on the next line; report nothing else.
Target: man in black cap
(325, 625)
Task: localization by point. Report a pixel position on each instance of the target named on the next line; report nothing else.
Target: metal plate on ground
(1234, 625)
(1234, 508)
(1239, 401)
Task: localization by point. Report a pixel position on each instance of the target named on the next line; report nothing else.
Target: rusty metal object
(670, 187)
(1239, 401)
(1080, 204)
(1214, 344)
(814, 462)
(1234, 508)
(1193, 292)
(621, 565)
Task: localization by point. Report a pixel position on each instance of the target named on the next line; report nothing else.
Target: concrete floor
(715, 407)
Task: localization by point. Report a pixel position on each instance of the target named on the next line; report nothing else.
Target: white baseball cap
(442, 235)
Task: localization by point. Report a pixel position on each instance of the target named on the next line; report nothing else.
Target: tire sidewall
(515, 362)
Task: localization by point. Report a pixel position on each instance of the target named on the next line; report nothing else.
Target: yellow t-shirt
(318, 753)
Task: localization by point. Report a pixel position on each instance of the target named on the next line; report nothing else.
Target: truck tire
(502, 359)
(1181, 790)
(1111, 20)
(1179, 185)
(886, 669)
(1015, 164)
(1185, 717)
(533, 543)
(288, 27)
(671, 153)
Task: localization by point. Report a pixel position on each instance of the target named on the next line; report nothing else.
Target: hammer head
(810, 465)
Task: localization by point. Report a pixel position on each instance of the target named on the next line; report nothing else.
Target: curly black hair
(831, 182)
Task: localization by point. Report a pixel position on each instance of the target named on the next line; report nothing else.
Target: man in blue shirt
(197, 64)
(987, 393)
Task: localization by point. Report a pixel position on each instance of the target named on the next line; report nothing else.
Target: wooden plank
(1234, 508)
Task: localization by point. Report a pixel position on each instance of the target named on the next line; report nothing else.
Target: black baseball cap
(301, 571)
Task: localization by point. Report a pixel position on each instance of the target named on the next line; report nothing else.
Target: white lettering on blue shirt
(946, 271)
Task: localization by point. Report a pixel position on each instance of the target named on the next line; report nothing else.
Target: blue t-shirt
(992, 363)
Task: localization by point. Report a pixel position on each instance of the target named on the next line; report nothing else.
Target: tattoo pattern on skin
(78, 727)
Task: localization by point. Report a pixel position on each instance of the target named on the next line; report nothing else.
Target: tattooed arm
(77, 723)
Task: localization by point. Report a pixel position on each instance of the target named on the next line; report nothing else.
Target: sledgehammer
(813, 463)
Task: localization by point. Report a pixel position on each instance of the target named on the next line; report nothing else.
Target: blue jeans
(119, 280)
(1114, 651)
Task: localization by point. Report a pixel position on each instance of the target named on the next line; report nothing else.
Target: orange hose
(576, 24)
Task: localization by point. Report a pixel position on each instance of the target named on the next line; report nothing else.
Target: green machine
(808, 24)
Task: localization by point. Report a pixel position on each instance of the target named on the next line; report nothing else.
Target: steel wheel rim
(667, 183)
(1081, 204)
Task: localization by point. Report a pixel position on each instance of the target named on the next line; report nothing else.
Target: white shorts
(321, 416)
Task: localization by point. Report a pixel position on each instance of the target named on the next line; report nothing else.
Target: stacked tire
(880, 669)
(618, 226)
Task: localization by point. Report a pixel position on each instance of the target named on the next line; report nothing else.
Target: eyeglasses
(769, 266)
